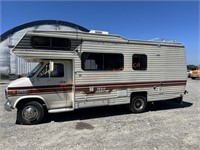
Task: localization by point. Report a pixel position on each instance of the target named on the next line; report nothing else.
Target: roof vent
(99, 32)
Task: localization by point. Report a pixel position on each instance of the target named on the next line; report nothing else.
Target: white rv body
(83, 84)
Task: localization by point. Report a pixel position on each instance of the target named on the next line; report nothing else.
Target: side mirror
(51, 66)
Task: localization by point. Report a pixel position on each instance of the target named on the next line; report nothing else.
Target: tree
(192, 67)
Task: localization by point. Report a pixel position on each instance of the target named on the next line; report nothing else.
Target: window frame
(83, 68)
(50, 46)
(38, 74)
(141, 68)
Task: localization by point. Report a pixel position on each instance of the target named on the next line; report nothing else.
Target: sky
(143, 20)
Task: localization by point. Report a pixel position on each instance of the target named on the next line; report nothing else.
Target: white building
(9, 62)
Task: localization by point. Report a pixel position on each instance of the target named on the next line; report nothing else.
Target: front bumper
(7, 106)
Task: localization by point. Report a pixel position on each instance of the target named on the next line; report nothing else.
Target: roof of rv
(38, 23)
(100, 37)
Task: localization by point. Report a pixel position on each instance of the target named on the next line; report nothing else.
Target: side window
(92, 61)
(40, 42)
(102, 61)
(50, 43)
(139, 62)
(113, 62)
(61, 43)
(57, 72)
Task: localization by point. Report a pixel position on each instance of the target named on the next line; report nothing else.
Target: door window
(57, 72)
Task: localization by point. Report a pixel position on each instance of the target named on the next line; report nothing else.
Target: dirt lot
(164, 126)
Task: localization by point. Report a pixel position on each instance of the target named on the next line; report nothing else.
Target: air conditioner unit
(99, 32)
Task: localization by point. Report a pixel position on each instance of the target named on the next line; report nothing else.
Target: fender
(28, 97)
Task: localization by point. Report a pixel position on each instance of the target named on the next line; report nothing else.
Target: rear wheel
(138, 104)
(30, 113)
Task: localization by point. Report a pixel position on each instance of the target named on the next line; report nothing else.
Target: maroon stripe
(130, 84)
(50, 90)
(31, 91)
(134, 84)
(40, 87)
(40, 93)
(109, 87)
(85, 88)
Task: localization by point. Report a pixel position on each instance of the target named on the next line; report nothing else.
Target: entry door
(56, 87)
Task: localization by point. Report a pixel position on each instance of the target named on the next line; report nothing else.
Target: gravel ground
(164, 126)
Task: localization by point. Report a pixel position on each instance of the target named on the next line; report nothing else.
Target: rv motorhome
(91, 69)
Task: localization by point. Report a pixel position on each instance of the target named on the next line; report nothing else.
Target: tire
(138, 104)
(193, 78)
(30, 113)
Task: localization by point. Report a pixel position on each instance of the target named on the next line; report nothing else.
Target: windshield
(35, 70)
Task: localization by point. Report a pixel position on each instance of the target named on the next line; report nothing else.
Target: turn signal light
(12, 92)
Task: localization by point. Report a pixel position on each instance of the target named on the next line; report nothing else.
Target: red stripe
(85, 87)
(110, 87)
(133, 84)
(39, 87)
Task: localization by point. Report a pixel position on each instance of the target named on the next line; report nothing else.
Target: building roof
(38, 23)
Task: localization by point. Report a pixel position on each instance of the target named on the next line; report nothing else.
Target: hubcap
(30, 113)
(138, 104)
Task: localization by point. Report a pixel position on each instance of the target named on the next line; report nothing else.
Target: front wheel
(138, 104)
(30, 113)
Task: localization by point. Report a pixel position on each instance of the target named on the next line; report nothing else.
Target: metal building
(9, 62)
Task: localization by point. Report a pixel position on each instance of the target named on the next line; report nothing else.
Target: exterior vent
(99, 32)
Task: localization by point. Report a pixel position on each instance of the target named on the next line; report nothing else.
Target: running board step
(60, 110)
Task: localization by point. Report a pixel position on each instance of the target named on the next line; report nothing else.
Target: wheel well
(143, 93)
(23, 101)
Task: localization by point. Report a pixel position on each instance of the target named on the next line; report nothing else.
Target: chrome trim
(30, 113)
